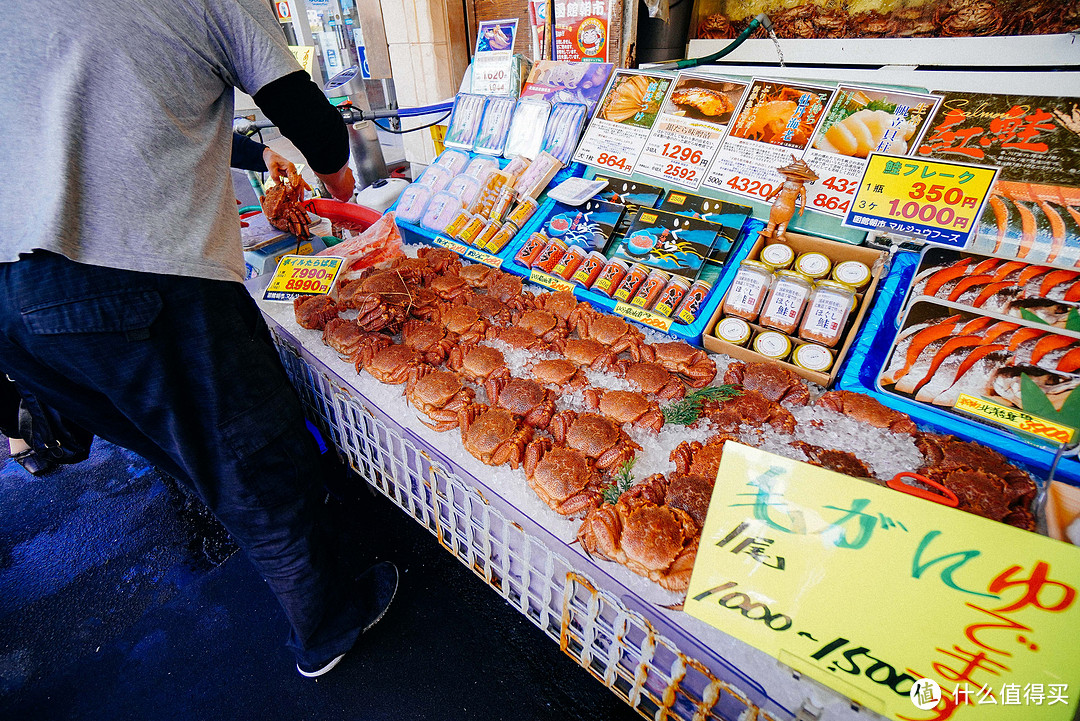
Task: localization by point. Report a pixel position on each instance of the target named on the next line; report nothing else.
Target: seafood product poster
(689, 130)
(626, 113)
(785, 546)
(1034, 207)
(857, 122)
(565, 82)
(937, 202)
(581, 29)
(672, 243)
(492, 63)
(775, 120)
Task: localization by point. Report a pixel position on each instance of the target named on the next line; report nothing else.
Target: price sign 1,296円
(940, 202)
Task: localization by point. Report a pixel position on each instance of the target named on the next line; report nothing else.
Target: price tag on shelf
(774, 121)
(947, 615)
(1015, 418)
(298, 275)
(633, 312)
(493, 60)
(625, 115)
(689, 129)
(858, 121)
(466, 251)
(940, 202)
(553, 282)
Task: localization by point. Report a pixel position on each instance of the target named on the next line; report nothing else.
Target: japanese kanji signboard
(938, 202)
(298, 275)
(917, 611)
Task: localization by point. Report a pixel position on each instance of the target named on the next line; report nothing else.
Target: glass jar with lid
(748, 289)
(786, 301)
(827, 313)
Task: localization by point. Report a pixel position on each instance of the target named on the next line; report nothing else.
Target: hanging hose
(762, 20)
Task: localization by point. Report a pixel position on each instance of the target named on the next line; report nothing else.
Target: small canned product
(852, 273)
(690, 306)
(610, 277)
(671, 296)
(522, 211)
(502, 204)
(550, 256)
(589, 270)
(772, 345)
(529, 252)
(504, 235)
(572, 258)
(748, 290)
(733, 330)
(651, 289)
(777, 256)
(472, 229)
(489, 232)
(786, 301)
(457, 223)
(813, 265)
(827, 313)
(632, 280)
(813, 357)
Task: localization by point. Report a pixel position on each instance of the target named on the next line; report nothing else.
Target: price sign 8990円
(938, 202)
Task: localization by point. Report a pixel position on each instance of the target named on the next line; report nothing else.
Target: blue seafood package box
(673, 243)
(589, 225)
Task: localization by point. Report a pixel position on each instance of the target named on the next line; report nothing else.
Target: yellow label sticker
(654, 320)
(649, 217)
(305, 55)
(1014, 418)
(469, 252)
(677, 198)
(303, 275)
(915, 610)
(551, 281)
(940, 202)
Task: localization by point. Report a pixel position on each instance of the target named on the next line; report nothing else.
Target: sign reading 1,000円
(915, 610)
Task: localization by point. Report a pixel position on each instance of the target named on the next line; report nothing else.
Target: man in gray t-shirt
(120, 265)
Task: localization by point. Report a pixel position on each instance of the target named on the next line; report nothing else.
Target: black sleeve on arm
(303, 115)
(247, 154)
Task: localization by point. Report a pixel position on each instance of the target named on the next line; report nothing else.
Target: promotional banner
(915, 610)
(582, 29)
(623, 120)
(689, 129)
(774, 122)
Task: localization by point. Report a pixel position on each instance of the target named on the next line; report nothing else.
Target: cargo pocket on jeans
(130, 312)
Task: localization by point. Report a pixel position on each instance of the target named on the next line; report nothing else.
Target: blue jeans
(183, 371)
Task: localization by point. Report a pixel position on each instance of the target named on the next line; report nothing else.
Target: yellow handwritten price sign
(302, 275)
(654, 320)
(938, 201)
(1014, 418)
(915, 610)
(554, 282)
(466, 251)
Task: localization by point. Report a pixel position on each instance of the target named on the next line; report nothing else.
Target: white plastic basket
(525, 565)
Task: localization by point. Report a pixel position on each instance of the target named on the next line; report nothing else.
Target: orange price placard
(1015, 418)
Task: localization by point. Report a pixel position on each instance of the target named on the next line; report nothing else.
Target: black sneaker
(376, 589)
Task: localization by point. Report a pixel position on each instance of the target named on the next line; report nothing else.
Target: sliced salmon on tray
(1070, 362)
(955, 365)
(910, 346)
(968, 286)
(1009, 270)
(995, 296)
(958, 346)
(930, 281)
(1055, 279)
(977, 379)
(1051, 341)
(1051, 360)
(924, 364)
(1022, 335)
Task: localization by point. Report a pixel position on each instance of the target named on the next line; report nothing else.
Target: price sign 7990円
(940, 202)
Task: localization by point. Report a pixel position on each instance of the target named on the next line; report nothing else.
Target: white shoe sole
(397, 581)
(321, 671)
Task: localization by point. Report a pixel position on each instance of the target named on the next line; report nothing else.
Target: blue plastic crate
(870, 351)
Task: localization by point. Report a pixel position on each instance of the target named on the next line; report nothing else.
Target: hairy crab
(441, 260)
(748, 408)
(615, 333)
(564, 478)
(692, 364)
(349, 339)
(560, 373)
(775, 383)
(284, 209)
(530, 401)
(586, 353)
(493, 311)
(449, 288)
(439, 395)
(424, 305)
(562, 304)
(863, 408)
(652, 540)
(626, 407)
(510, 290)
(476, 274)
(314, 311)
(840, 461)
(428, 339)
(414, 271)
(695, 458)
(382, 299)
(518, 338)
(478, 363)
(595, 436)
(463, 322)
(493, 435)
(544, 325)
(655, 379)
(391, 365)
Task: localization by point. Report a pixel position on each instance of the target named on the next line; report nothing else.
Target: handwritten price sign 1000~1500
(877, 593)
(939, 202)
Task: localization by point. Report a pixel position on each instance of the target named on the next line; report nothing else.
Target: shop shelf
(664, 663)
(870, 351)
